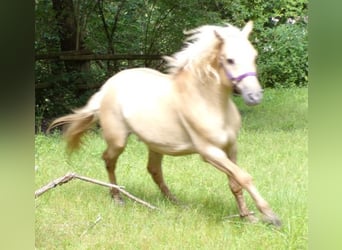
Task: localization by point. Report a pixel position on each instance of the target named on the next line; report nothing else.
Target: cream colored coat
(189, 110)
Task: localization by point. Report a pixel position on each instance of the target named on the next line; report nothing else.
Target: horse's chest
(222, 137)
(216, 132)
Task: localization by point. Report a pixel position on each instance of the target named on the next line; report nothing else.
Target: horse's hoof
(272, 219)
(251, 218)
(172, 199)
(117, 200)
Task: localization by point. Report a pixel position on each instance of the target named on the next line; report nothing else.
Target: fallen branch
(70, 176)
(54, 183)
(238, 215)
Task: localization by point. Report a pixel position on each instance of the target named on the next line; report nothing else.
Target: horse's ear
(247, 29)
(220, 40)
(218, 36)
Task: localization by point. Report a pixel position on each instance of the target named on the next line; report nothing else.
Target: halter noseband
(236, 80)
(239, 78)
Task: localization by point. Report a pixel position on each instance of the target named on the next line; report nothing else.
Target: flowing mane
(201, 47)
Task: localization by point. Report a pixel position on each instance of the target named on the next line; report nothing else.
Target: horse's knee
(107, 159)
(246, 180)
(241, 180)
(213, 153)
(113, 151)
(219, 159)
(153, 170)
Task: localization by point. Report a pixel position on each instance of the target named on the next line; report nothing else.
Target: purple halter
(236, 80)
(240, 77)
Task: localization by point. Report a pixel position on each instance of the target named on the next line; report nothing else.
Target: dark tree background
(80, 43)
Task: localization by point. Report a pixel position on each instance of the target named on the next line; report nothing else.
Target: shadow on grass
(210, 207)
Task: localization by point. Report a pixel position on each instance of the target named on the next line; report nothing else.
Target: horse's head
(237, 62)
(223, 55)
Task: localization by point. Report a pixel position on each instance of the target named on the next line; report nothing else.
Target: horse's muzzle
(252, 98)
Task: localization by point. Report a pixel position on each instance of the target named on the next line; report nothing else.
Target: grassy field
(272, 148)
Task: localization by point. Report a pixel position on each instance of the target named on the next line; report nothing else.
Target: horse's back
(140, 89)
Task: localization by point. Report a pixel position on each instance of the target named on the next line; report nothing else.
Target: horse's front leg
(218, 158)
(237, 189)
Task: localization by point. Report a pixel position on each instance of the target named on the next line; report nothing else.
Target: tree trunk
(70, 38)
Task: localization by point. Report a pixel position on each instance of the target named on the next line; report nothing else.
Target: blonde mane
(202, 46)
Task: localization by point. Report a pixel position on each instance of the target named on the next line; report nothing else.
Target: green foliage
(283, 57)
(272, 149)
(156, 27)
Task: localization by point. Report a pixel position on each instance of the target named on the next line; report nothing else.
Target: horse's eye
(230, 61)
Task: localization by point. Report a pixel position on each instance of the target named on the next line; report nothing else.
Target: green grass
(272, 148)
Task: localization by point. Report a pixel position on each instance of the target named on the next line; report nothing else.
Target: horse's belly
(164, 135)
(172, 149)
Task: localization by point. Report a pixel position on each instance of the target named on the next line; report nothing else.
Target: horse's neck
(206, 96)
(209, 92)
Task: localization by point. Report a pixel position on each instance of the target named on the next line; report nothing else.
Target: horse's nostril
(250, 96)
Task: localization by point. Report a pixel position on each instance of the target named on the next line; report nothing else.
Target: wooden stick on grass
(70, 176)
(237, 215)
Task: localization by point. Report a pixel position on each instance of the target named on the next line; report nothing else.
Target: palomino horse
(189, 110)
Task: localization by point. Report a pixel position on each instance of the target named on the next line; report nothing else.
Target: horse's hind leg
(154, 168)
(115, 135)
(110, 157)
